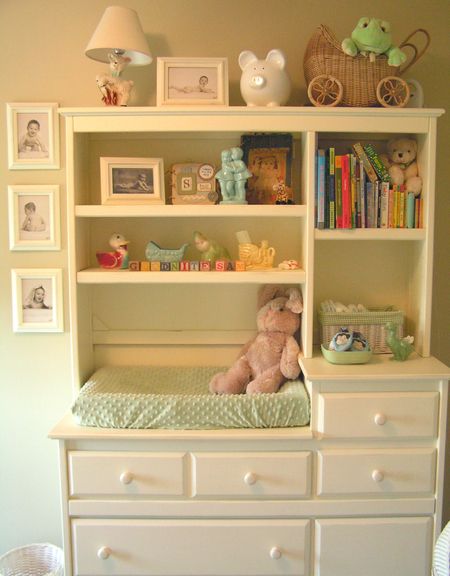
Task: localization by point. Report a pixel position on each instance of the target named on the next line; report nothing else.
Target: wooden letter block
(174, 266)
(185, 266)
(194, 265)
(155, 266)
(134, 265)
(205, 265)
(230, 266)
(144, 266)
(220, 265)
(165, 266)
(239, 266)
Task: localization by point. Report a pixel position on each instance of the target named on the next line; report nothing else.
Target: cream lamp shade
(119, 32)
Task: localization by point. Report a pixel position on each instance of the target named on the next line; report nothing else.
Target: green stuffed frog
(372, 37)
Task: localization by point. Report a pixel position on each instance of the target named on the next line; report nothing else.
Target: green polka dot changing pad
(178, 398)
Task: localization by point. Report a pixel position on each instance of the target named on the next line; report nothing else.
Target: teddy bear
(401, 164)
(271, 357)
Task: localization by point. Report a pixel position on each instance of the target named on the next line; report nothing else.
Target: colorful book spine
(338, 189)
(402, 210)
(391, 208)
(410, 210)
(354, 186)
(370, 204)
(331, 188)
(346, 192)
(320, 223)
(359, 151)
(384, 205)
(362, 195)
(377, 163)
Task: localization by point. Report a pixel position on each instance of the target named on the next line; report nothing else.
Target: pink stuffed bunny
(271, 357)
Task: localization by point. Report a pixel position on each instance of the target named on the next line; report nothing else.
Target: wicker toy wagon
(334, 78)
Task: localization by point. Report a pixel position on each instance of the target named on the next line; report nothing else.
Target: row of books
(354, 190)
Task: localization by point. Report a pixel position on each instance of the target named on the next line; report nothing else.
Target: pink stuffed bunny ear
(295, 302)
(269, 292)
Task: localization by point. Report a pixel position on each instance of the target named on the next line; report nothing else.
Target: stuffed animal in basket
(401, 164)
(271, 357)
(372, 37)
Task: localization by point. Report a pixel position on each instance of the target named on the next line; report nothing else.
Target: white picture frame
(34, 217)
(37, 299)
(192, 81)
(33, 136)
(132, 180)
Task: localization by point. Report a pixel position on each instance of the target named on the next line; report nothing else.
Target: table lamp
(119, 40)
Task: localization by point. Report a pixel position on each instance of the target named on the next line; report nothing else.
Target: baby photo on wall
(37, 300)
(33, 136)
(34, 222)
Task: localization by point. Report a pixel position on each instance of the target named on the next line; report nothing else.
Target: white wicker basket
(33, 560)
(371, 324)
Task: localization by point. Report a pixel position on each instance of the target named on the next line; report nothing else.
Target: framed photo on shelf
(37, 300)
(269, 159)
(132, 180)
(34, 217)
(33, 136)
(189, 81)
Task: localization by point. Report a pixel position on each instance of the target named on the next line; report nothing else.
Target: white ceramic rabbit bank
(264, 82)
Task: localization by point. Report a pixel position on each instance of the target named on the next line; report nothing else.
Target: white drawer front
(378, 415)
(373, 547)
(267, 474)
(376, 472)
(190, 547)
(126, 473)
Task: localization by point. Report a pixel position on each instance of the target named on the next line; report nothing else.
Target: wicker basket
(371, 324)
(33, 560)
(358, 75)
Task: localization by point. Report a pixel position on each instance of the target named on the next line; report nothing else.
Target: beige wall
(43, 61)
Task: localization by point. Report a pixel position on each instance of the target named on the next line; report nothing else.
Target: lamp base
(115, 91)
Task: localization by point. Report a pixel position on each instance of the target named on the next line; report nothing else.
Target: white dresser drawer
(378, 415)
(373, 546)
(126, 473)
(376, 472)
(191, 547)
(253, 474)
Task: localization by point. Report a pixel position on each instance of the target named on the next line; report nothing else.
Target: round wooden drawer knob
(377, 476)
(250, 478)
(104, 552)
(126, 477)
(379, 419)
(275, 553)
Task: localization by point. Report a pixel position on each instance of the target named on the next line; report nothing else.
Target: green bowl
(346, 357)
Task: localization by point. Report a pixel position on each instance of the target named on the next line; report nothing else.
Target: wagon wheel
(325, 90)
(392, 91)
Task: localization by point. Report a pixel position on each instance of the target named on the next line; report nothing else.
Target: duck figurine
(118, 258)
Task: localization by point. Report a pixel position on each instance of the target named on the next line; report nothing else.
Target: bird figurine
(118, 258)
(154, 252)
(401, 348)
(210, 249)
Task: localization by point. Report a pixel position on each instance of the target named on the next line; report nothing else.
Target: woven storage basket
(357, 74)
(371, 324)
(33, 560)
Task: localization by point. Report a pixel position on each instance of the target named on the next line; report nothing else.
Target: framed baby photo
(33, 136)
(132, 180)
(34, 217)
(37, 300)
(269, 159)
(192, 81)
